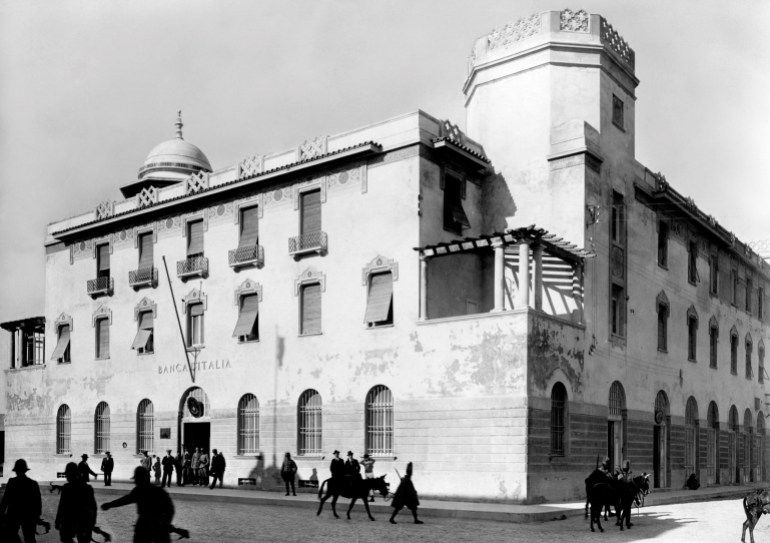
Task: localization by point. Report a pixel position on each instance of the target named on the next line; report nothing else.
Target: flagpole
(179, 322)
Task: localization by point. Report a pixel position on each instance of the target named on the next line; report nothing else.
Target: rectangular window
(103, 260)
(379, 302)
(310, 309)
(761, 368)
(692, 262)
(663, 244)
(734, 292)
(760, 303)
(310, 213)
(617, 112)
(144, 341)
(714, 275)
(247, 327)
(617, 310)
(618, 226)
(713, 343)
(749, 294)
(662, 327)
(195, 238)
(62, 351)
(749, 373)
(455, 218)
(102, 338)
(249, 225)
(194, 325)
(692, 338)
(145, 251)
(734, 354)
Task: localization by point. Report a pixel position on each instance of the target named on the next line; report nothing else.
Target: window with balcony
(249, 252)
(714, 275)
(692, 262)
(195, 325)
(311, 239)
(61, 352)
(196, 264)
(379, 300)
(27, 346)
(247, 327)
(102, 340)
(455, 218)
(310, 309)
(663, 244)
(144, 342)
(103, 284)
(146, 274)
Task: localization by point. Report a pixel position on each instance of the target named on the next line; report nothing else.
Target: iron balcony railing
(100, 285)
(314, 242)
(192, 265)
(143, 277)
(253, 255)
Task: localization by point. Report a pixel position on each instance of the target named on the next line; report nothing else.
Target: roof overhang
(461, 152)
(31, 322)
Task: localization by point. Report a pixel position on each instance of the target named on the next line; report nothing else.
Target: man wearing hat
(352, 467)
(84, 469)
(368, 463)
(21, 504)
(108, 464)
(337, 467)
(168, 468)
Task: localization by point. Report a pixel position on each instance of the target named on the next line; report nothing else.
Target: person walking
(179, 467)
(187, 469)
(156, 468)
(337, 466)
(368, 463)
(154, 507)
(168, 468)
(217, 468)
(84, 469)
(352, 467)
(405, 496)
(146, 462)
(288, 473)
(108, 464)
(21, 505)
(195, 465)
(76, 515)
(203, 469)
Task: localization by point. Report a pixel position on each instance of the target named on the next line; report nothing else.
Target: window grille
(379, 421)
(102, 428)
(617, 400)
(248, 425)
(144, 426)
(310, 423)
(558, 418)
(63, 430)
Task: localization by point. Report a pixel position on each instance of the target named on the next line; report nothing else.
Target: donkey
(754, 505)
(353, 488)
(628, 493)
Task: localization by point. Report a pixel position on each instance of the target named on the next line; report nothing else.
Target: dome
(174, 159)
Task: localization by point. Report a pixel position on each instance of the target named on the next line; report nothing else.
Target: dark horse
(628, 493)
(353, 488)
(604, 492)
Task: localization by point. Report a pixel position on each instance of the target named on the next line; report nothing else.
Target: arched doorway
(712, 454)
(661, 442)
(760, 475)
(616, 426)
(749, 456)
(691, 439)
(733, 460)
(194, 420)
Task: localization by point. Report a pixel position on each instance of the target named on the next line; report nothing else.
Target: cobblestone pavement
(704, 522)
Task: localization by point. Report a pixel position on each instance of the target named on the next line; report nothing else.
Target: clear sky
(87, 88)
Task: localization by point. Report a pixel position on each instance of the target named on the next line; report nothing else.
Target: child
(156, 469)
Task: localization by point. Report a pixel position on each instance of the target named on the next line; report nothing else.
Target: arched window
(691, 426)
(617, 425)
(749, 455)
(144, 426)
(558, 419)
(309, 423)
(63, 430)
(379, 421)
(248, 425)
(102, 428)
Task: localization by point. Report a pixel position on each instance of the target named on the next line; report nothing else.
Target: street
(716, 521)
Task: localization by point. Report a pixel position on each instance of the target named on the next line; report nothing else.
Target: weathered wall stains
(554, 345)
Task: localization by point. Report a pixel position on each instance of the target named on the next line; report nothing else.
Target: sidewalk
(428, 508)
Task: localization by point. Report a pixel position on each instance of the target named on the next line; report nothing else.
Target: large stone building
(499, 306)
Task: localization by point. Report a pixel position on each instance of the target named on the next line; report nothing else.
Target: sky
(87, 88)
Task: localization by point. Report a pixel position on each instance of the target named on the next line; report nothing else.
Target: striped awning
(62, 344)
(247, 316)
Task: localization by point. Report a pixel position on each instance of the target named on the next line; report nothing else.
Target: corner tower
(551, 99)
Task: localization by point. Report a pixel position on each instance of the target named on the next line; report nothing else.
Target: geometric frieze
(610, 37)
(574, 21)
(105, 209)
(251, 165)
(513, 32)
(451, 131)
(312, 148)
(147, 196)
(196, 182)
(377, 265)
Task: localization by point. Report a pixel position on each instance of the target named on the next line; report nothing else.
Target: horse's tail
(321, 488)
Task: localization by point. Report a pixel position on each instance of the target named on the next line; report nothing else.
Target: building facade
(499, 306)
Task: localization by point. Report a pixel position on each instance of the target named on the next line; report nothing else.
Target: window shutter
(380, 297)
(104, 258)
(194, 238)
(196, 310)
(104, 338)
(247, 316)
(146, 321)
(458, 214)
(145, 251)
(62, 343)
(249, 227)
(311, 309)
(140, 341)
(311, 212)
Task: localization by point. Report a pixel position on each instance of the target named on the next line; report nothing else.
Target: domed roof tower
(168, 163)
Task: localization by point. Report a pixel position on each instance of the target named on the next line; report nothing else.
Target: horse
(754, 505)
(596, 477)
(628, 493)
(354, 488)
(600, 495)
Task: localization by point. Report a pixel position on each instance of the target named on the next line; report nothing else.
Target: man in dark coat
(84, 469)
(337, 467)
(405, 496)
(21, 503)
(289, 472)
(168, 468)
(156, 511)
(352, 466)
(76, 516)
(217, 468)
(179, 466)
(108, 464)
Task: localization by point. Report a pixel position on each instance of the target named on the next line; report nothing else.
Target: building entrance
(196, 434)
(194, 420)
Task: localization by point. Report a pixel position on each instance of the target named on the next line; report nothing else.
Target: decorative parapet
(253, 255)
(148, 196)
(611, 37)
(574, 21)
(312, 148)
(196, 183)
(143, 277)
(105, 210)
(100, 285)
(192, 266)
(451, 131)
(313, 242)
(513, 32)
(251, 165)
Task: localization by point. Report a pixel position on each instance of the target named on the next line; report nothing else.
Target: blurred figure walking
(21, 504)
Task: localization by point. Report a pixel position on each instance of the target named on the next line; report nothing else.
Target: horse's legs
(350, 507)
(321, 505)
(334, 505)
(366, 505)
(587, 503)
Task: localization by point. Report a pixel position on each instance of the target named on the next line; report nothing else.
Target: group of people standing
(192, 468)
